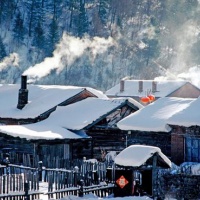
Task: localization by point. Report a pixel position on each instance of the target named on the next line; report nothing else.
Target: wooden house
(30, 104)
(83, 129)
(149, 126)
(137, 89)
(186, 133)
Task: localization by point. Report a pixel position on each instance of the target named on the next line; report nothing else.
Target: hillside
(97, 42)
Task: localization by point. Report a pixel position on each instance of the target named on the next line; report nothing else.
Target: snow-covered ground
(92, 197)
(44, 188)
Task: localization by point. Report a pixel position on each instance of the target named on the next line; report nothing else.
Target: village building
(83, 129)
(140, 89)
(28, 104)
(148, 126)
(185, 133)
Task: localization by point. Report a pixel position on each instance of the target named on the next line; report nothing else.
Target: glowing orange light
(151, 97)
(145, 99)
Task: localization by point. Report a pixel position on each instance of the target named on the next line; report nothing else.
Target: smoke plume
(65, 54)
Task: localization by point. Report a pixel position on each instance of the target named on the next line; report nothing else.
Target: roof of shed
(138, 155)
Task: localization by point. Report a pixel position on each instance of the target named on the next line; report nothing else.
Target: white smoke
(65, 54)
(192, 75)
(11, 60)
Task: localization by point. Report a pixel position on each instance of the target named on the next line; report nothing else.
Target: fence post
(81, 183)
(40, 170)
(26, 188)
(76, 170)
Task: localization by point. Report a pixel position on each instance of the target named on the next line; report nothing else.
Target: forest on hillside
(97, 42)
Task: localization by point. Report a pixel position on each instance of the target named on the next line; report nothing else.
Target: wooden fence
(17, 182)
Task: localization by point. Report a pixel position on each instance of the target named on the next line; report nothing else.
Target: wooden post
(154, 175)
(26, 188)
(40, 170)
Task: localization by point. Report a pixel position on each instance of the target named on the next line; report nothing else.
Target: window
(192, 149)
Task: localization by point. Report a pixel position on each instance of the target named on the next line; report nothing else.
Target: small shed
(144, 161)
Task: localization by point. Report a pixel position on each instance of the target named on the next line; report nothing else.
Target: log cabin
(149, 126)
(67, 132)
(30, 104)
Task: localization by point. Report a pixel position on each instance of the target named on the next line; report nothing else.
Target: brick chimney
(23, 93)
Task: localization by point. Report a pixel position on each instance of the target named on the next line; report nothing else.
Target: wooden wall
(104, 141)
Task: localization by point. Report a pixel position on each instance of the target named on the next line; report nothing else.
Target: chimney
(154, 86)
(140, 86)
(23, 93)
(121, 85)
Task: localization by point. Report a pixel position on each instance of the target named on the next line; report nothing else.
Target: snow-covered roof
(137, 155)
(40, 131)
(154, 116)
(190, 116)
(131, 88)
(74, 116)
(41, 98)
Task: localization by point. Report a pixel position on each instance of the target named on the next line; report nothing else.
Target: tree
(39, 38)
(104, 10)
(52, 37)
(83, 24)
(18, 29)
(2, 50)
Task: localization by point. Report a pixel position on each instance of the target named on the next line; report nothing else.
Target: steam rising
(192, 75)
(11, 60)
(65, 54)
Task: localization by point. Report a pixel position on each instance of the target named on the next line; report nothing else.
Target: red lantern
(151, 97)
(145, 99)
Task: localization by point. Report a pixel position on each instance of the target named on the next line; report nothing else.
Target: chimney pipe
(122, 85)
(23, 93)
(154, 86)
(140, 86)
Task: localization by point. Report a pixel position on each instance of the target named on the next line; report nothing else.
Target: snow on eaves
(190, 116)
(40, 131)
(154, 116)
